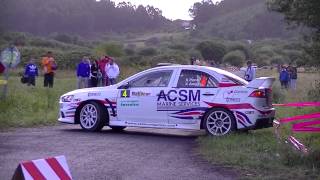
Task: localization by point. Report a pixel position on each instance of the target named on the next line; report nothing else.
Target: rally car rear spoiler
(261, 83)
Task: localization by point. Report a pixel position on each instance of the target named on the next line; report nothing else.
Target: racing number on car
(125, 93)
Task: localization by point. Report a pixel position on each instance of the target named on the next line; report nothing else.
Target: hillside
(240, 19)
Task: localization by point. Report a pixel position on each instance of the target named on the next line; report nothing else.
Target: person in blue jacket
(83, 73)
(284, 77)
(31, 72)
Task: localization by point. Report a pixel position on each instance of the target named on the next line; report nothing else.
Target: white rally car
(177, 96)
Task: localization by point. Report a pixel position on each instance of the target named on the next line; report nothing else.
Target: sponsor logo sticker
(178, 99)
(94, 94)
(133, 103)
(140, 93)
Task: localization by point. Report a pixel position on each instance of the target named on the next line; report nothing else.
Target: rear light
(258, 94)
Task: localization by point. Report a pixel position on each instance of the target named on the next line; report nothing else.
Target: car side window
(196, 79)
(153, 79)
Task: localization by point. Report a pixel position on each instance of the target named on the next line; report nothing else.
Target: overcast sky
(171, 9)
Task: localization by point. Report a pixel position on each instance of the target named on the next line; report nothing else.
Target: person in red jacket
(102, 64)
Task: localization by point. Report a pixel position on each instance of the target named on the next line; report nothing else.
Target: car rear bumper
(263, 123)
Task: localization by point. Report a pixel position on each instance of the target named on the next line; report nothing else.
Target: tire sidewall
(100, 116)
(230, 114)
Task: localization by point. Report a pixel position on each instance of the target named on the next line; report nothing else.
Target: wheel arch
(77, 113)
(217, 107)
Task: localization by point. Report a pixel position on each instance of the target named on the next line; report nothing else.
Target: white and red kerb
(55, 168)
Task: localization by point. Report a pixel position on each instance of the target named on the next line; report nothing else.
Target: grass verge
(259, 155)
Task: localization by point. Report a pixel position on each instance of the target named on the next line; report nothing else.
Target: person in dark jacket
(83, 73)
(284, 77)
(94, 74)
(294, 77)
(31, 71)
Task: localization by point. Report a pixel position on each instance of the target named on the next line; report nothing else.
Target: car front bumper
(67, 112)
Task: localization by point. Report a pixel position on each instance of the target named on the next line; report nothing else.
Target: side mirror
(125, 86)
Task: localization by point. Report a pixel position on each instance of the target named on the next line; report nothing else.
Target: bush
(110, 49)
(152, 41)
(148, 52)
(212, 51)
(235, 58)
(241, 47)
(314, 92)
(66, 38)
(179, 47)
(277, 60)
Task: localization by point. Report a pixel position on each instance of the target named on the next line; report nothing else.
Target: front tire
(219, 122)
(92, 117)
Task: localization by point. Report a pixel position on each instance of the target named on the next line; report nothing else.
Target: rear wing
(261, 83)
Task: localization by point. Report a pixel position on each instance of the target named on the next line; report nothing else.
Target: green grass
(259, 155)
(28, 106)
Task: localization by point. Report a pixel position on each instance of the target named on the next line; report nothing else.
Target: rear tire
(117, 128)
(92, 117)
(219, 122)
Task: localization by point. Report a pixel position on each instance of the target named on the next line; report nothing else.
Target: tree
(234, 58)
(212, 51)
(81, 17)
(302, 12)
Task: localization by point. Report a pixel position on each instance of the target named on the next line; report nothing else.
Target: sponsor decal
(232, 99)
(240, 91)
(94, 94)
(178, 100)
(133, 103)
(249, 112)
(125, 93)
(150, 124)
(111, 104)
(232, 93)
(140, 93)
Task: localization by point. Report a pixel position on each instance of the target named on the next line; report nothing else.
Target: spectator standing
(49, 66)
(102, 66)
(83, 73)
(94, 74)
(289, 70)
(192, 60)
(294, 77)
(31, 71)
(250, 72)
(112, 71)
(284, 78)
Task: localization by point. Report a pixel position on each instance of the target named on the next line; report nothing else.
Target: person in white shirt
(112, 72)
(250, 72)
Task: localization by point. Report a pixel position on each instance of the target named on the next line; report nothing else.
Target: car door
(137, 104)
(193, 89)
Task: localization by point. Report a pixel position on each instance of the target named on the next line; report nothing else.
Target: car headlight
(67, 98)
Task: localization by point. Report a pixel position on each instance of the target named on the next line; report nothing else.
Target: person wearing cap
(250, 72)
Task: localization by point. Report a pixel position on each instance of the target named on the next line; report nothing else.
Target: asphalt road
(133, 154)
